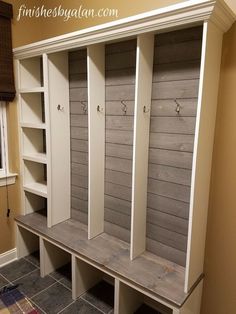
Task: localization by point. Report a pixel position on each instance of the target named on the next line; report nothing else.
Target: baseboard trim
(8, 257)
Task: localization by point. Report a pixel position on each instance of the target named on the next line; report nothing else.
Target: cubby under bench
(148, 279)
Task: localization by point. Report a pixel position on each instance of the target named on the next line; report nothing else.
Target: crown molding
(192, 12)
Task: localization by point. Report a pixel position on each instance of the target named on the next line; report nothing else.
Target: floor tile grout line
(36, 294)
(66, 307)
(19, 278)
(81, 297)
(6, 280)
(31, 262)
(59, 281)
(35, 304)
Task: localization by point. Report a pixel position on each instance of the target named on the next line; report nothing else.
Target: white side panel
(59, 154)
(127, 300)
(96, 124)
(84, 277)
(203, 148)
(193, 303)
(51, 257)
(143, 90)
(27, 242)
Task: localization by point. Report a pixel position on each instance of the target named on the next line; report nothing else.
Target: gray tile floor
(52, 294)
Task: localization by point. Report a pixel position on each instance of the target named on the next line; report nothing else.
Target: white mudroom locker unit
(116, 127)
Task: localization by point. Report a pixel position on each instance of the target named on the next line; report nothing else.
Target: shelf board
(36, 157)
(38, 188)
(31, 90)
(152, 274)
(33, 125)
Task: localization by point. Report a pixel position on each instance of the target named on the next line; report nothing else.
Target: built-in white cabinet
(117, 129)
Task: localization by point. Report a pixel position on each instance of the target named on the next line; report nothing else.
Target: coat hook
(178, 107)
(84, 107)
(99, 108)
(124, 107)
(60, 108)
(145, 109)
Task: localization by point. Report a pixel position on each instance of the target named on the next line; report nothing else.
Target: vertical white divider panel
(143, 91)
(127, 300)
(20, 132)
(48, 136)
(84, 277)
(203, 148)
(96, 125)
(51, 257)
(59, 157)
(27, 242)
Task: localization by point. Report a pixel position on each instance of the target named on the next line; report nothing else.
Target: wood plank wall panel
(175, 77)
(79, 134)
(120, 86)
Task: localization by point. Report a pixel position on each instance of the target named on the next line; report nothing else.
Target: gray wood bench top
(154, 274)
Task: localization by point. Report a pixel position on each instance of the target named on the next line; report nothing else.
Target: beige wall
(219, 296)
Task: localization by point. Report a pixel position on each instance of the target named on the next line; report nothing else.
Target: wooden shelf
(36, 157)
(32, 90)
(33, 125)
(153, 275)
(38, 188)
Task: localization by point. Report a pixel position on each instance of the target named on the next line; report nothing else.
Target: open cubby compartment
(131, 301)
(78, 89)
(33, 203)
(56, 262)
(35, 178)
(28, 243)
(92, 283)
(34, 144)
(32, 108)
(31, 73)
(175, 87)
(120, 71)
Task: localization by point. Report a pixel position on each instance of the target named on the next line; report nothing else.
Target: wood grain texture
(167, 221)
(119, 151)
(159, 276)
(177, 142)
(177, 36)
(168, 205)
(176, 75)
(170, 89)
(178, 52)
(79, 134)
(79, 145)
(169, 174)
(179, 125)
(176, 71)
(115, 108)
(167, 108)
(170, 158)
(167, 252)
(167, 237)
(120, 80)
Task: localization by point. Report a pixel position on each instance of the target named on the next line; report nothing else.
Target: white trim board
(8, 257)
(183, 14)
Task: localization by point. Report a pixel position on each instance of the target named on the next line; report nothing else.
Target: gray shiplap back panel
(79, 134)
(120, 85)
(176, 72)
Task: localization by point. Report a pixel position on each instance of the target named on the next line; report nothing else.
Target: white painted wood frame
(143, 93)
(203, 149)
(58, 139)
(96, 138)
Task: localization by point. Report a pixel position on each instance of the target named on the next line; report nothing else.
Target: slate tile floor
(52, 294)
